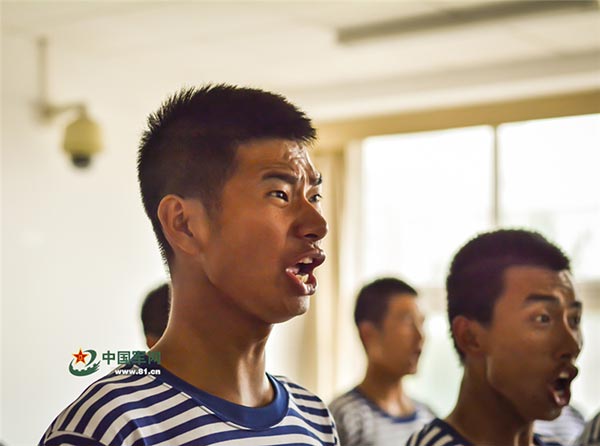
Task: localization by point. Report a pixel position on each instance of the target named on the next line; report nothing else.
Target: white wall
(78, 252)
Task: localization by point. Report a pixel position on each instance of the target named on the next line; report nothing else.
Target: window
(550, 180)
(426, 194)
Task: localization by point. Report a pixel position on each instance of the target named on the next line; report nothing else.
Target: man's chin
(550, 414)
(547, 413)
(294, 306)
(300, 305)
(409, 370)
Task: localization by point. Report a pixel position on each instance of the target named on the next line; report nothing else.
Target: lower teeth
(303, 278)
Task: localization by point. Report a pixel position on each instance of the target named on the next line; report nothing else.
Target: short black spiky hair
(155, 311)
(373, 299)
(190, 145)
(476, 277)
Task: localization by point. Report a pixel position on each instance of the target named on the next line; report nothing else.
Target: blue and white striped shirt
(360, 422)
(567, 427)
(440, 433)
(130, 407)
(591, 433)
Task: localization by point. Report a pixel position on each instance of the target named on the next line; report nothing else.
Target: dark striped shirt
(440, 433)
(144, 409)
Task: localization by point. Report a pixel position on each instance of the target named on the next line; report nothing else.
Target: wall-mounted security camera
(82, 138)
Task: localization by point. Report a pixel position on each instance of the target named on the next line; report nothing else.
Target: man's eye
(279, 194)
(575, 320)
(407, 319)
(316, 198)
(542, 318)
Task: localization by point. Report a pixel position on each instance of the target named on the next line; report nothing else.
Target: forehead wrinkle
(313, 175)
(285, 177)
(298, 154)
(296, 171)
(285, 156)
(315, 178)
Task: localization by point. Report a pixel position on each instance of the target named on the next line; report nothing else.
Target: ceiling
(416, 55)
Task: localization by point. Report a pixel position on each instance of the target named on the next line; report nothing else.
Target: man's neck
(216, 348)
(386, 391)
(483, 417)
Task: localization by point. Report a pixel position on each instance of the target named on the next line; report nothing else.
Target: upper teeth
(564, 375)
(306, 260)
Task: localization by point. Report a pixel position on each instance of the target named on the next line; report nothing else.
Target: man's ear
(368, 333)
(470, 336)
(184, 222)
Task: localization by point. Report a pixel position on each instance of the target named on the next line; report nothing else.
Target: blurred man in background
(155, 314)
(378, 412)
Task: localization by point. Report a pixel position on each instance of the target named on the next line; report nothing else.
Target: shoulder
(298, 392)
(423, 410)
(591, 433)
(565, 429)
(310, 409)
(547, 440)
(348, 402)
(303, 398)
(69, 439)
(105, 407)
(351, 414)
(437, 433)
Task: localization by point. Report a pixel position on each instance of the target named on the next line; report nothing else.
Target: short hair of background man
(476, 277)
(373, 299)
(190, 145)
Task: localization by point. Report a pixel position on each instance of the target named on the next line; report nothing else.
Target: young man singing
(234, 200)
(515, 323)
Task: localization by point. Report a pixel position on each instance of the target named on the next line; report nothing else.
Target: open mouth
(560, 388)
(302, 271)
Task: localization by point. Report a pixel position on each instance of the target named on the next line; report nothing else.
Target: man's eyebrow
(285, 177)
(548, 298)
(576, 304)
(315, 180)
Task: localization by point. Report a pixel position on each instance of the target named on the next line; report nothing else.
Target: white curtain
(337, 359)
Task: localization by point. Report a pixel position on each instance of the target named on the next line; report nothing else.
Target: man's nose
(312, 224)
(570, 342)
(420, 331)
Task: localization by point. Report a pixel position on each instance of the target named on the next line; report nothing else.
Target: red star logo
(80, 356)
